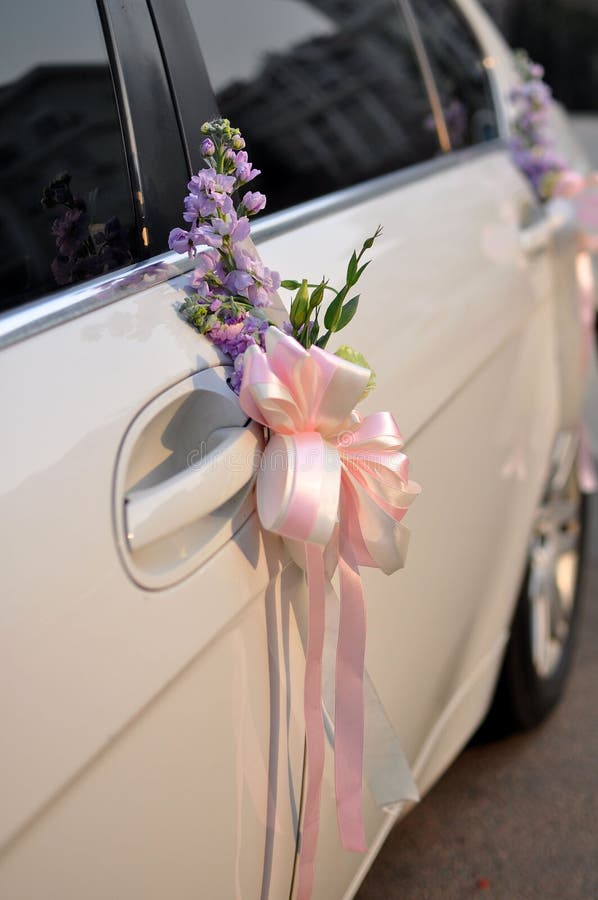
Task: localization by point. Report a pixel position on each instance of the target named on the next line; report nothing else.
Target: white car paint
(153, 740)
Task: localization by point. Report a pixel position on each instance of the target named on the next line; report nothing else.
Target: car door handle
(214, 476)
(183, 478)
(539, 235)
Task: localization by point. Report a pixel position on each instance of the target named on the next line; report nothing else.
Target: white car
(152, 677)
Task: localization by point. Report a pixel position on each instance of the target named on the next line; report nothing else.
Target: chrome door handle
(539, 235)
(183, 478)
(211, 479)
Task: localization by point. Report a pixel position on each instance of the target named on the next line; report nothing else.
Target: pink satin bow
(582, 191)
(339, 484)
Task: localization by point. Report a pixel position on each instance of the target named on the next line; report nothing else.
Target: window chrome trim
(48, 312)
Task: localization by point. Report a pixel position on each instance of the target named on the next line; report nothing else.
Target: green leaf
(290, 285)
(317, 296)
(300, 306)
(348, 311)
(334, 309)
(210, 322)
(315, 330)
(352, 268)
(321, 342)
(333, 312)
(361, 270)
(354, 356)
(369, 242)
(260, 312)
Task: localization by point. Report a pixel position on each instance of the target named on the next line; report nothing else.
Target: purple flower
(240, 230)
(537, 163)
(238, 282)
(262, 291)
(237, 229)
(114, 245)
(229, 336)
(237, 334)
(204, 263)
(209, 181)
(88, 267)
(243, 168)
(192, 207)
(536, 70)
(213, 233)
(237, 376)
(71, 231)
(207, 147)
(209, 193)
(263, 282)
(253, 202)
(455, 115)
(62, 270)
(183, 241)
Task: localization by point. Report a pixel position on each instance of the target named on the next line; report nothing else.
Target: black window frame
(183, 59)
(149, 125)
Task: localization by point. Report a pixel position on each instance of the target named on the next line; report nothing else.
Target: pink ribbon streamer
(314, 722)
(583, 193)
(338, 484)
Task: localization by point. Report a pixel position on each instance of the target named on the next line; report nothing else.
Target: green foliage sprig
(307, 305)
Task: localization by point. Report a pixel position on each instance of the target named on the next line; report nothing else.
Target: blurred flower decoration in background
(533, 151)
(85, 250)
(532, 143)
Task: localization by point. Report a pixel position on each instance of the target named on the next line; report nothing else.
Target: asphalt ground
(514, 819)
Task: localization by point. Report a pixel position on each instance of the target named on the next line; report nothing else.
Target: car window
(326, 95)
(66, 213)
(460, 72)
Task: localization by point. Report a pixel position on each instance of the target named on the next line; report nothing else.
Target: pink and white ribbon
(338, 484)
(582, 191)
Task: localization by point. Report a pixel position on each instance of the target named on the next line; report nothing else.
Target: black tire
(525, 696)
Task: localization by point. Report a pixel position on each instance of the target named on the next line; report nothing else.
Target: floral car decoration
(340, 498)
(533, 148)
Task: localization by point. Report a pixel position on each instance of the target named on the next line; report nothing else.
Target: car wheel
(540, 648)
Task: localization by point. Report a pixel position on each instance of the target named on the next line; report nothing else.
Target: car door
(360, 116)
(152, 735)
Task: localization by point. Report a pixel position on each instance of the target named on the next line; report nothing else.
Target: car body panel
(85, 647)
(159, 734)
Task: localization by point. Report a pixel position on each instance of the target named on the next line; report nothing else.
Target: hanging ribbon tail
(385, 768)
(349, 714)
(588, 480)
(314, 721)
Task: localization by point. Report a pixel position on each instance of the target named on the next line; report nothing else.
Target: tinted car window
(326, 94)
(65, 201)
(461, 76)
